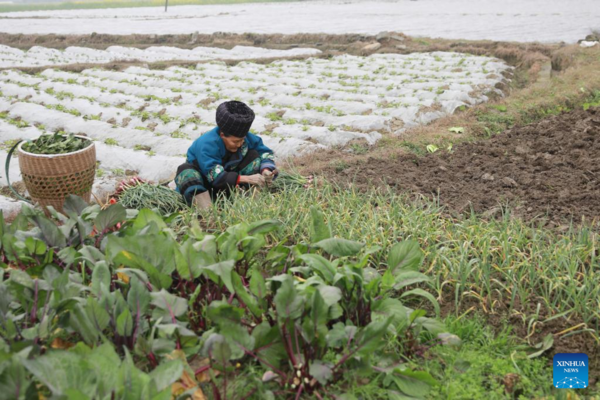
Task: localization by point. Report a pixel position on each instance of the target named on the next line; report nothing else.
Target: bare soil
(549, 169)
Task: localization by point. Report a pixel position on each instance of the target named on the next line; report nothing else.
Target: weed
(358, 148)
(179, 135)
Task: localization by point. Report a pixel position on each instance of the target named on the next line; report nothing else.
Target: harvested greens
(138, 194)
(58, 143)
(290, 180)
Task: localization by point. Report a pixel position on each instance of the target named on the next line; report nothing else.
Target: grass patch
(487, 366)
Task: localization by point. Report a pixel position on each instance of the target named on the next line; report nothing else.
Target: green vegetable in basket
(56, 144)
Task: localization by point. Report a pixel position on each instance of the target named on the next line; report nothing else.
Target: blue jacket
(209, 152)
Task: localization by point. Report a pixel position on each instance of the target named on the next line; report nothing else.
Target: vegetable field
(144, 120)
(432, 232)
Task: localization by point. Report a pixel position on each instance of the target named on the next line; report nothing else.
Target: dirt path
(550, 168)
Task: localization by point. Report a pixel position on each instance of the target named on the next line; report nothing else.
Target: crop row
(42, 56)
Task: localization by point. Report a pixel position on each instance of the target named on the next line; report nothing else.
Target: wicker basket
(51, 178)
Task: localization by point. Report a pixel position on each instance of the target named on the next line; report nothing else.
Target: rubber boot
(202, 201)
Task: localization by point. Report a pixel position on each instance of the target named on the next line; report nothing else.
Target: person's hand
(269, 175)
(256, 179)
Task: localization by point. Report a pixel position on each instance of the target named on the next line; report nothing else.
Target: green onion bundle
(146, 195)
(287, 180)
(56, 144)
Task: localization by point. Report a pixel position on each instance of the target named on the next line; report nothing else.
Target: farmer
(225, 157)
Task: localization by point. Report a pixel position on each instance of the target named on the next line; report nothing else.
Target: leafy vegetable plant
(113, 304)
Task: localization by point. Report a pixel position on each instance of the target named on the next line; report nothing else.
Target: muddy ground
(549, 170)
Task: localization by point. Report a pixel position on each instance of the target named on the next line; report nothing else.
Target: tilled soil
(549, 169)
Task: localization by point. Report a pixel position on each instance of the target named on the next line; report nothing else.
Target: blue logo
(570, 371)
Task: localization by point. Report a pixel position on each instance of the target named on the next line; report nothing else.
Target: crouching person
(224, 158)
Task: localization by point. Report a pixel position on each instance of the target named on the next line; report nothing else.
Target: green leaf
(431, 148)
(110, 217)
(331, 295)
(543, 346)
(104, 362)
(74, 205)
(191, 260)
(97, 315)
(21, 278)
(405, 255)
(370, 337)
(125, 323)
(168, 306)
(133, 383)
(268, 344)
(263, 227)
(287, 301)
(457, 129)
(251, 245)
(35, 246)
(62, 370)
(50, 232)
(319, 230)
(449, 339)
(257, 284)
(217, 349)
(145, 217)
(320, 371)
(316, 326)
(387, 280)
(139, 252)
(416, 314)
(407, 278)
(414, 383)
(14, 380)
(244, 296)
(237, 335)
(390, 308)
(320, 265)
(340, 334)
(340, 247)
(138, 297)
(166, 374)
(81, 323)
(424, 294)
(221, 271)
(220, 312)
(100, 277)
(432, 325)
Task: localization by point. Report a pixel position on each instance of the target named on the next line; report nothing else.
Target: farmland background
(433, 234)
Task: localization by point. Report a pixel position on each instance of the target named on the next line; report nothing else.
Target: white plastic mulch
(508, 20)
(42, 56)
(144, 120)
